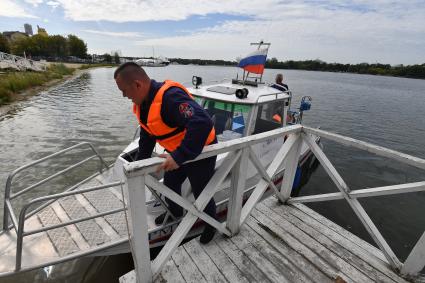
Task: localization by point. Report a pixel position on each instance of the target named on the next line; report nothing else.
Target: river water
(383, 110)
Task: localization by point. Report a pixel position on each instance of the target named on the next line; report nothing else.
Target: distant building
(41, 31)
(14, 35)
(125, 60)
(28, 29)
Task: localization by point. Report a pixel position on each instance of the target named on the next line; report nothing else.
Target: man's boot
(160, 218)
(208, 234)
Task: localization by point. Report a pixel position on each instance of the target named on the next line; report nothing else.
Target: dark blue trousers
(199, 174)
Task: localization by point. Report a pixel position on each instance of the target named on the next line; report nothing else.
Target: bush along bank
(16, 82)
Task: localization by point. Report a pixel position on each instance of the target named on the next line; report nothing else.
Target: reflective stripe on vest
(169, 138)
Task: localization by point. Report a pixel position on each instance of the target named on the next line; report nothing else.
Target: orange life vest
(277, 118)
(169, 138)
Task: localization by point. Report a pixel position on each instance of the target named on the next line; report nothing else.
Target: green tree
(21, 45)
(107, 57)
(38, 45)
(4, 44)
(117, 58)
(77, 47)
(57, 46)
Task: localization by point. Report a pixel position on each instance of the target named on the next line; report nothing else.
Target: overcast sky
(346, 31)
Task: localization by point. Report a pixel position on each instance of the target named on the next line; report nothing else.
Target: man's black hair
(130, 71)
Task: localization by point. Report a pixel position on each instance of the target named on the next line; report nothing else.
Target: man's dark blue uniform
(281, 86)
(178, 110)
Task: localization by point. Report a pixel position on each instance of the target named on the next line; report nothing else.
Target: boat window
(198, 100)
(229, 119)
(269, 117)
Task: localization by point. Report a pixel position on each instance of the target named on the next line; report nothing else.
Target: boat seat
(262, 126)
(222, 120)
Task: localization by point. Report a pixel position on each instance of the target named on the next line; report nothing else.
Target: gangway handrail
(288, 92)
(8, 209)
(240, 153)
(21, 233)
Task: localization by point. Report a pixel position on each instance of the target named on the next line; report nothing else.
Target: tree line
(202, 62)
(411, 71)
(45, 46)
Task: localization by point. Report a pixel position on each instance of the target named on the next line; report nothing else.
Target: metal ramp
(87, 219)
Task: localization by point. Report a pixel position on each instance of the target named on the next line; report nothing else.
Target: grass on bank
(88, 66)
(15, 82)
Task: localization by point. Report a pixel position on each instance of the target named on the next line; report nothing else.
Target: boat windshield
(230, 119)
(269, 117)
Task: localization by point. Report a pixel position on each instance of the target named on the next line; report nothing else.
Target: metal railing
(10, 61)
(19, 224)
(9, 195)
(236, 162)
(21, 233)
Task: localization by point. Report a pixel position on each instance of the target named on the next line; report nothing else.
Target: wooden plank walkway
(279, 243)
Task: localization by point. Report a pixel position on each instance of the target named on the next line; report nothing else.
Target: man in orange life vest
(168, 115)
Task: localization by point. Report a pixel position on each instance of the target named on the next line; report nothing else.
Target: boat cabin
(257, 109)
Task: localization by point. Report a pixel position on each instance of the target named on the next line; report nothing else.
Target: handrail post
(291, 165)
(415, 262)
(5, 207)
(236, 191)
(20, 239)
(139, 227)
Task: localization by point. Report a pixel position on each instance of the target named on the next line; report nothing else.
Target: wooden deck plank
(366, 256)
(339, 250)
(186, 266)
(203, 262)
(280, 233)
(329, 255)
(345, 233)
(271, 271)
(245, 265)
(277, 244)
(314, 273)
(170, 273)
(224, 263)
(292, 272)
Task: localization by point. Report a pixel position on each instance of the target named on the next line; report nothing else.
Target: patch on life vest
(186, 110)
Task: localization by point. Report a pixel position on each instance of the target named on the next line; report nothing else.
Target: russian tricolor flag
(254, 62)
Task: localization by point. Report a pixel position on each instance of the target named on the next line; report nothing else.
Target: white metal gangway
(9, 61)
(239, 154)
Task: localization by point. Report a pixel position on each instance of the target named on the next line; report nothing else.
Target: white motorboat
(153, 62)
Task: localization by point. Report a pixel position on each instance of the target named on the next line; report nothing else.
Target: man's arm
(146, 145)
(179, 110)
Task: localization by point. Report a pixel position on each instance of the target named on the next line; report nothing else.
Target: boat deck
(279, 243)
(93, 236)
